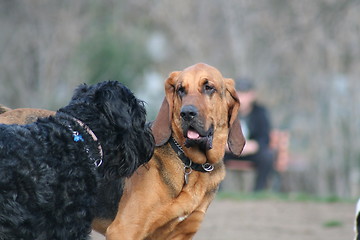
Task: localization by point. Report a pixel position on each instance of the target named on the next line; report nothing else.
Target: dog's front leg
(145, 211)
(187, 228)
(141, 215)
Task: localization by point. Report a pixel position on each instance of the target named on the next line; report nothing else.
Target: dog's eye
(208, 89)
(181, 91)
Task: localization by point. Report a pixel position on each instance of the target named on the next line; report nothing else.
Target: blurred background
(304, 57)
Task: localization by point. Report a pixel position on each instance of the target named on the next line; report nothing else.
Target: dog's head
(200, 110)
(118, 120)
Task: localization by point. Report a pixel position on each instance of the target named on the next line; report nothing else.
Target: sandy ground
(275, 219)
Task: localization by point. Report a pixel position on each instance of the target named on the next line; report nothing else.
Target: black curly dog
(50, 170)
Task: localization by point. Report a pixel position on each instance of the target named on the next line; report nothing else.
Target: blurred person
(256, 127)
(357, 221)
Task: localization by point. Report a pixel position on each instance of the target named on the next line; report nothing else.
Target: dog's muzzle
(193, 129)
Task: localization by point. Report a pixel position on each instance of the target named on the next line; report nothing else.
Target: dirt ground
(275, 219)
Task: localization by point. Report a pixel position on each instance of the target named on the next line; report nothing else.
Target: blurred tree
(48, 48)
(114, 57)
(112, 50)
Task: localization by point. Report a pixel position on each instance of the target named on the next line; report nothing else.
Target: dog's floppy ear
(161, 127)
(236, 140)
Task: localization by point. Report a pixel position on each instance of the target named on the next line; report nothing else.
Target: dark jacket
(259, 126)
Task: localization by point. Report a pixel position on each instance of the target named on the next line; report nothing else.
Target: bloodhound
(168, 197)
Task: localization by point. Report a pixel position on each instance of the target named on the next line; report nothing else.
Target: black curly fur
(48, 182)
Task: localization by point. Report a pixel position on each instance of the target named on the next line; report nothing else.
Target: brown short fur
(156, 203)
(23, 115)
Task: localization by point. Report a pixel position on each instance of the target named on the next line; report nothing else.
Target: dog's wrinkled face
(119, 125)
(195, 92)
(201, 106)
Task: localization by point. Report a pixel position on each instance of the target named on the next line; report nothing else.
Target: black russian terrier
(50, 170)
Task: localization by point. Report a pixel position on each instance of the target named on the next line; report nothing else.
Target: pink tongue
(192, 134)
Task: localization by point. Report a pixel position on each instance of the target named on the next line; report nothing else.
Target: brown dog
(167, 198)
(23, 115)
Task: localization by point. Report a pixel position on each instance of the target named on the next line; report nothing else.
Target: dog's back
(22, 115)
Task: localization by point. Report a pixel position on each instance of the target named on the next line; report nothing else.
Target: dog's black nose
(188, 112)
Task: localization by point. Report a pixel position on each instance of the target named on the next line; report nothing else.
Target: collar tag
(77, 137)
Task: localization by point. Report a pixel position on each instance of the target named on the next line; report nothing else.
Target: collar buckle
(206, 167)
